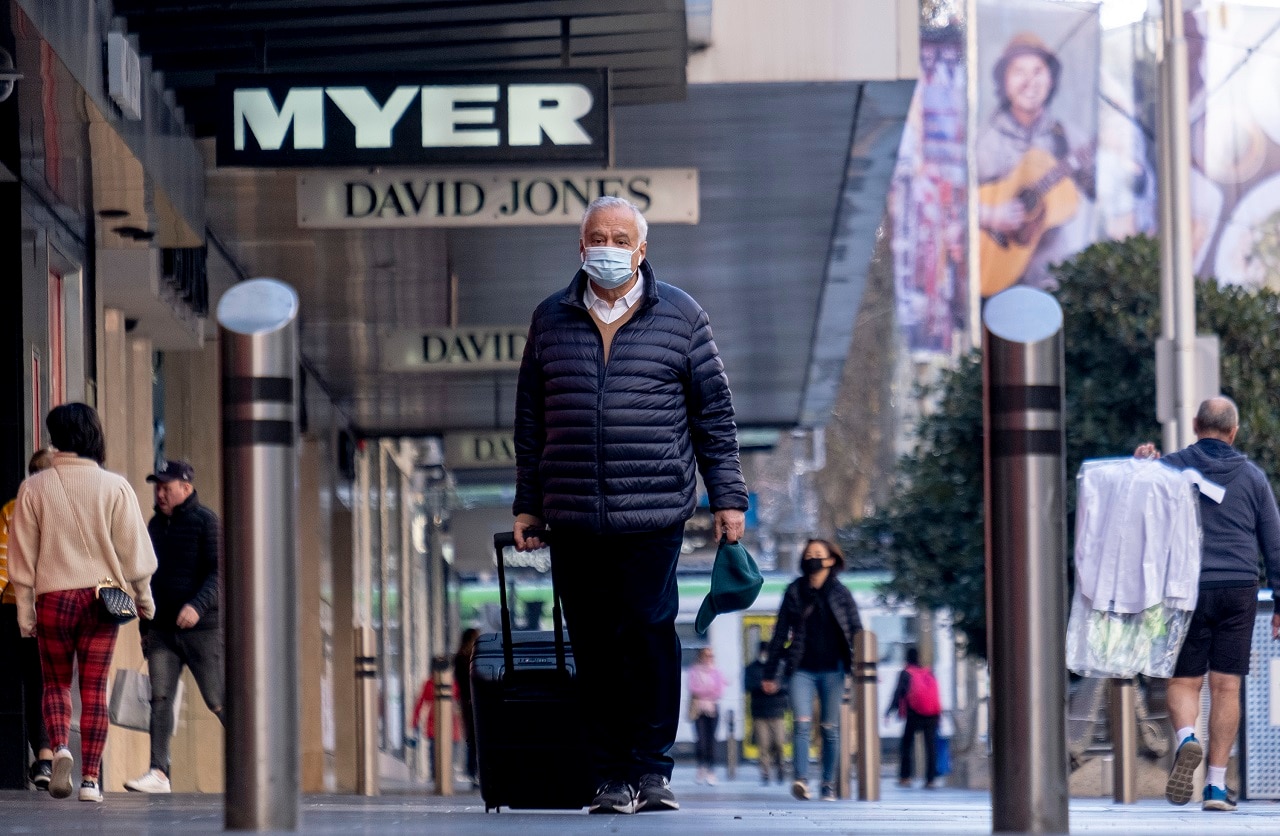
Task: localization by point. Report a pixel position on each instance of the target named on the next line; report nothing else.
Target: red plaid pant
(69, 627)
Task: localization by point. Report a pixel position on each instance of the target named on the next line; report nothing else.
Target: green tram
(735, 637)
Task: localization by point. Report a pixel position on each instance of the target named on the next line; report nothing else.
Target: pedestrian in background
(427, 704)
(76, 525)
(462, 686)
(813, 643)
(706, 687)
(917, 701)
(187, 629)
(1219, 642)
(768, 716)
(25, 650)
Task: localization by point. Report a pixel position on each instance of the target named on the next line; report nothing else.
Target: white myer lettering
(373, 122)
(553, 109)
(441, 116)
(453, 115)
(303, 109)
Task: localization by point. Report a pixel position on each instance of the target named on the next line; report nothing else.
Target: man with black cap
(185, 630)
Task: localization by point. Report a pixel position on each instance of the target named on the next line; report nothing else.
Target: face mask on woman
(812, 565)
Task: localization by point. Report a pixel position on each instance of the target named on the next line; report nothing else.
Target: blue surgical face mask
(609, 267)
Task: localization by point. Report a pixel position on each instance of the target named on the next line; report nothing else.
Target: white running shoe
(90, 791)
(152, 781)
(60, 783)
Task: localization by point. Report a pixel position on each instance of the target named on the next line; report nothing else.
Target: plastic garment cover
(1137, 559)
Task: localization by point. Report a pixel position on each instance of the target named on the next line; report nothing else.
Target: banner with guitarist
(1037, 134)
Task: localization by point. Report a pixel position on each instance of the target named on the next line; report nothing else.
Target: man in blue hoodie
(1220, 637)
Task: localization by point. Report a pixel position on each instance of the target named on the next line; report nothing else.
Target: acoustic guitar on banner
(1042, 183)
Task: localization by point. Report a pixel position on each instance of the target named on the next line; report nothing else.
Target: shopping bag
(130, 703)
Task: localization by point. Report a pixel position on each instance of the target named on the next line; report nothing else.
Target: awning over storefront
(643, 42)
(792, 180)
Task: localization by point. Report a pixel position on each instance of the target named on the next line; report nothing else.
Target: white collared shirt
(608, 312)
(1137, 537)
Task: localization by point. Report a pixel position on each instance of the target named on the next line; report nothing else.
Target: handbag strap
(71, 505)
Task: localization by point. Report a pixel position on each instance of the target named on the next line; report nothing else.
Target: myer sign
(413, 118)
(468, 451)
(479, 348)
(332, 200)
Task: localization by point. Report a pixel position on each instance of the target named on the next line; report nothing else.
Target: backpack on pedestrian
(922, 692)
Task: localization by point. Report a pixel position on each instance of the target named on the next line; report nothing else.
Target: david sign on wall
(413, 118)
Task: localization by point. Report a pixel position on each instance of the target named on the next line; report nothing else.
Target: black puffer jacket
(836, 597)
(612, 448)
(186, 545)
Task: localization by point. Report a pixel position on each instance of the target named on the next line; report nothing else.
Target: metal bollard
(865, 660)
(442, 762)
(1124, 740)
(1026, 559)
(731, 748)
(366, 662)
(844, 767)
(259, 335)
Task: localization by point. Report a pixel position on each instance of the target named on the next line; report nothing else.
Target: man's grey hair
(1218, 415)
(610, 202)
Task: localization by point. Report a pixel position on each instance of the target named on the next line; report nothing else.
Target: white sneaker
(60, 783)
(152, 781)
(90, 791)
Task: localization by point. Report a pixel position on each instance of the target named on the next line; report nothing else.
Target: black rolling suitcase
(530, 741)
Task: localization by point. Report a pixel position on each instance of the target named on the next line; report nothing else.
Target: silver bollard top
(258, 306)
(1022, 315)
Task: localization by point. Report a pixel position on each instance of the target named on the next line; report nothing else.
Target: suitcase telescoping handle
(504, 540)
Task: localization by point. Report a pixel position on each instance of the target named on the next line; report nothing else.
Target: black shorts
(1221, 633)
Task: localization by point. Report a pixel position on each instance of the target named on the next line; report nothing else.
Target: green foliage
(930, 534)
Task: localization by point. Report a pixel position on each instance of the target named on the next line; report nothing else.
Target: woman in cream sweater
(74, 526)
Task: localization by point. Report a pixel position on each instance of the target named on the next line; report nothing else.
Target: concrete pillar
(193, 433)
(124, 391)
(342, 532)
(312, 549)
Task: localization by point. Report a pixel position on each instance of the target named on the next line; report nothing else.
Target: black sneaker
(41, 773)
(655, 794)
(614, 797)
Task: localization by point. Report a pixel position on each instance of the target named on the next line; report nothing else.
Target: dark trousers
(167, 651)
(704, 729)
(928, 726)
(27, 652)
(620, 604)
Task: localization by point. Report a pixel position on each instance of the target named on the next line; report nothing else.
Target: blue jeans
(829, 688)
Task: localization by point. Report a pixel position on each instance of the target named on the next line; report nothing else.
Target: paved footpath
(737, 807)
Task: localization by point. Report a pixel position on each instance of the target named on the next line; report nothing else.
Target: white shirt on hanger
(1137, 537)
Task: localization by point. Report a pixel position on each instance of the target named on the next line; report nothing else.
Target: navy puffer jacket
(612, 449)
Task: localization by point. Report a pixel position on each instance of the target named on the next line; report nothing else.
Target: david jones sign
(477, 348)
(412, 119)
(481, 198)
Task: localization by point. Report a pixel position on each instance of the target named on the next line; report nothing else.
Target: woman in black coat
(813, 645)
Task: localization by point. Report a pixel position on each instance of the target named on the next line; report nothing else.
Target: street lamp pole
(1177, 284)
